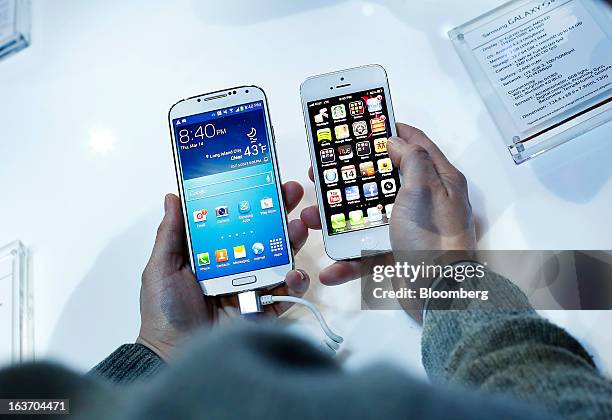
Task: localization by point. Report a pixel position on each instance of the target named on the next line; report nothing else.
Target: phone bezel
(350, 245)
(209, 102)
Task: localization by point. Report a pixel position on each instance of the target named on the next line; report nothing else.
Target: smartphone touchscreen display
(230, 191)
(358, 181)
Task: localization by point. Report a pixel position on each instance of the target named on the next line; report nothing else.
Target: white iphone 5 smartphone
(229, 185)
(349, 117)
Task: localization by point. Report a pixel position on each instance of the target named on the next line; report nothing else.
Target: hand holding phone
(172, 306)
(432, 211)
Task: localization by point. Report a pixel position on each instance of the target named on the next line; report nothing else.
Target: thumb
(170, 241)
(414, 163)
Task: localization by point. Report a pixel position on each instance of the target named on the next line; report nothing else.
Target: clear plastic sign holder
(14, 26)
(543, 69)
(16, 321)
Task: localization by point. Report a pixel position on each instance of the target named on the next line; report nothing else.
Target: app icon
(374, 214)
(324, 135)
(389, 210)
(380, 145)
(338, 112)
(221, 255)
(222, 211)
(360, 128)
(370, 189)
(328, 156)
(338, 221)
(352, 193)
(345, 152)
(378, 125)
(356, 108)
(367, 169)
(258, 248)
(203, 259)
(239, 252)
(356, 218)
(266, 203)
(363, 148)
(200, 215)
(375, 104)
(322, 116)
(334, 196)
(244, 207)
(388, 186)
(331, 176)
(342, 132)
(276, 244)
(385, 166)
(349, 173)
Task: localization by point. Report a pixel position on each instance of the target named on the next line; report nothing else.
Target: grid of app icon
(358, 175)
(240, 253)
(328, 156)
(276, 245)
(363, 148)
(356, 108)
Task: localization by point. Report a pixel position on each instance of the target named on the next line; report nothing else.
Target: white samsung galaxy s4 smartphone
(229, 184)
(349, 117)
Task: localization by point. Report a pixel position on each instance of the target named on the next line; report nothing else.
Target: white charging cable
(251, 302)
(331, 341)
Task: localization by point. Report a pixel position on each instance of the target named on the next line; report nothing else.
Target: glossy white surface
(85, 155)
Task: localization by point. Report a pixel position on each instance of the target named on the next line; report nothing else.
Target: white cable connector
(251, 302)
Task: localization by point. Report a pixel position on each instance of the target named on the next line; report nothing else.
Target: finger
(340, 272)
(311, 174)
(311, 217)
(292, 194)
(298, 234)
(170, 241)
(414, 162)
(415, 136)
(296, 284)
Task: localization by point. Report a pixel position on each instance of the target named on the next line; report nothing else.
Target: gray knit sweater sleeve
(502, 345)
(129, 363)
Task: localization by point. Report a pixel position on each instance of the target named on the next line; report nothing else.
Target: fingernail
(302, 275)
(392, 141)
(166, 203)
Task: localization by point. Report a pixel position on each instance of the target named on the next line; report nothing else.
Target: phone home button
(244, 281)
(369, 244)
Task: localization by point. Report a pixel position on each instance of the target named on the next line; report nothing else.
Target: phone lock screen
(358, 181)
(230, 191)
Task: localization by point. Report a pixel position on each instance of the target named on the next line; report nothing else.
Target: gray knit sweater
(494, 359)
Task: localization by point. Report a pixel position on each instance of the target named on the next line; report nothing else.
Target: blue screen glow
(229, 183)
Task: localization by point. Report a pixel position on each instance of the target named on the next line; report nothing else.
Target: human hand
(432, 209)
(172, 305)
